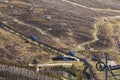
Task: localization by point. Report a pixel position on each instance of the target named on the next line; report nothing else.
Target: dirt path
(96, 24)
(38, 29)
(96, 30)
(94, 9)
(52, 64)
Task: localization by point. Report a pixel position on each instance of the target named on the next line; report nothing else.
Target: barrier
(24, 72)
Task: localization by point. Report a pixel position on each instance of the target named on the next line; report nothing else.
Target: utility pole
(106, 67)
(101, 66)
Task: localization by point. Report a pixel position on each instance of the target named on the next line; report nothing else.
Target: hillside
(16, 50)
(103, 4)
(72, 21)
(86, 27)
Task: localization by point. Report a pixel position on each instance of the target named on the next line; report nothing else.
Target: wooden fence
(24, 72)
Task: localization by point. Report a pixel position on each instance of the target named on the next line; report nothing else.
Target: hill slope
(14, 49)
(71, 25)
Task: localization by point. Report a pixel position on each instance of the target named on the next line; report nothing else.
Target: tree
(35, 62)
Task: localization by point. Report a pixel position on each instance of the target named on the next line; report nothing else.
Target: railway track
(47, 47)
(27, 38)
(37, 42)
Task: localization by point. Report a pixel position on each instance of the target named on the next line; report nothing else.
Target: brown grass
(14, 48)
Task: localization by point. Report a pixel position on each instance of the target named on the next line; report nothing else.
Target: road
(94, 9)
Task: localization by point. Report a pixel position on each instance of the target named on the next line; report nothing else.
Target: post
(106, 67)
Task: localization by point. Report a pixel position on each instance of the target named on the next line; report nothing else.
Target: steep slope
(65, 24)
(88, 27)
(14, 49)
(103, 4)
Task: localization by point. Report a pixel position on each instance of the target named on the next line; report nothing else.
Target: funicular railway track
(27, 38)
(47, 47)
(37, 42)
